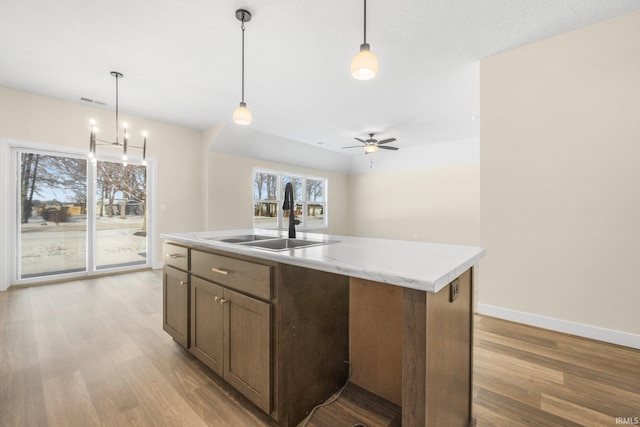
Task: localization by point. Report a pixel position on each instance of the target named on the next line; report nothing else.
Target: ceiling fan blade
(386, 141)
(353, 146)
(361, 140)
(389, 148)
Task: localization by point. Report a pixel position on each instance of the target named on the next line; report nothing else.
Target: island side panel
(414, 363)
(313, 322)
(375, 341)
(449, 345)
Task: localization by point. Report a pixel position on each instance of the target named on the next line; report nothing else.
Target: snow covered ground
(47, 247)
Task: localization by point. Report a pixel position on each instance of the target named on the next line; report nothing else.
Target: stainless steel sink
(244, 238)
(286, 244)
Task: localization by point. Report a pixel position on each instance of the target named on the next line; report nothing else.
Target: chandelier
(93, 141)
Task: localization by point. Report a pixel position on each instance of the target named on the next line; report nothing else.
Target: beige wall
(435, 204)
(230, 192)
(177, 151)
(560, 178)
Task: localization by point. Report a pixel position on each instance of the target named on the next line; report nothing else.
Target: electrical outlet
(454, 290)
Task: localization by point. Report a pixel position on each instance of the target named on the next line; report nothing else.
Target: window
(309, 195)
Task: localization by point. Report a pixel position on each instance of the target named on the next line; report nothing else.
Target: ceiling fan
(372, 145)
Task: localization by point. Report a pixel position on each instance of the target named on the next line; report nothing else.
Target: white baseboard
(587, 331)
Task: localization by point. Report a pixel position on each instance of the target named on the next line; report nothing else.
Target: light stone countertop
(417, 265)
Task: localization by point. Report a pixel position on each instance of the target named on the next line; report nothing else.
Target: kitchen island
(399, 312)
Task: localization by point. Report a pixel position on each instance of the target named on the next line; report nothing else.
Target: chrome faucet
(290, 206)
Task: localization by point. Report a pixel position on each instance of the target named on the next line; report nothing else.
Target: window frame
(282, 223)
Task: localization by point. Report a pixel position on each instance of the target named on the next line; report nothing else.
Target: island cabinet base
(287, 337)
(414, 349)
(277, 333)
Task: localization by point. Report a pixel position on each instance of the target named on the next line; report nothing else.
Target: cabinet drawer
(175, 256)
(245, 276)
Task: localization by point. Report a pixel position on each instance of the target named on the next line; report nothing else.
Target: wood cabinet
(175, 292)
(231, 334)
(277, 333)
(231, 328)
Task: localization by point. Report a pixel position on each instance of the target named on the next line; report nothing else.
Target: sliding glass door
(121, 233)
(78, 217)
(53, 214)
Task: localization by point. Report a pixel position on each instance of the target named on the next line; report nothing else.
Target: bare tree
(314, 190)
(266, 182)
(41, 173)
(29, 171)
(109, 178)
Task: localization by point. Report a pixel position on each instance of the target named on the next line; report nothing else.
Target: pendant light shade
(364, 65)
(242, 115)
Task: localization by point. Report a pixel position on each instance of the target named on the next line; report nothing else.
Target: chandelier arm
(103, 142)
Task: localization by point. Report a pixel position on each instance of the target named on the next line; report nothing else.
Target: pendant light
(93, 141)
(364, 65)
(242, 115)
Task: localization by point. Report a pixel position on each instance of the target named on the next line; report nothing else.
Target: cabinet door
(207, 323)
(247, 350)
(175, 286)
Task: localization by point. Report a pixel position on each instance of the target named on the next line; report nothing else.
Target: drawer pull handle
(217, 299)
(174, 256)
(182, 282)
(224, 301)
(217, 270)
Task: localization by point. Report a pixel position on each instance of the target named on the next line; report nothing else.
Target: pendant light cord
(365, 21)
(242, 26)
(117, 109)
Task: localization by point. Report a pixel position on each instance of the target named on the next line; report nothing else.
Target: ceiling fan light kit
(372, 145)
(242, 115)
(364, 65)
(94, 141)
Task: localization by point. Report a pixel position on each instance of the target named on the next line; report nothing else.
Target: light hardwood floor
(525, 376)
(93, 352)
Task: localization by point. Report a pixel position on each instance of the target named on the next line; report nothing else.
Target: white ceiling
(181, 60)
